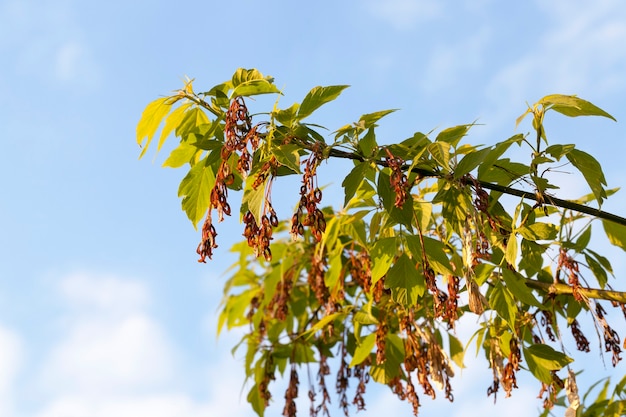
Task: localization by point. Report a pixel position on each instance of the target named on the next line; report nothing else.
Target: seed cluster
(308, 213)
(259, 236)
(398, 178)
(241, 139)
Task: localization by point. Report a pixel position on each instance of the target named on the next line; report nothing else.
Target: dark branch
(541, 198)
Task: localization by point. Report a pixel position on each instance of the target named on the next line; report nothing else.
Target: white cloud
(114, 358)
(110, 343)
(104, 293)
(101, 356)
(10, 360)
(405, 14)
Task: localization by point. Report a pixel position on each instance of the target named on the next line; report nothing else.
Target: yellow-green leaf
(150, 120)
(440, 152)
(503, 302)
(183, 154)
(353, 180)
(518, 288)
(573, 106)
(195, 189)
(591, 170)
(363, 350)
(317, 97)
(616, 233)
(382, 253)
(457, 353)
(171, 122)
(452, 135)
(511, 250)
(406, 284)
(546, 357)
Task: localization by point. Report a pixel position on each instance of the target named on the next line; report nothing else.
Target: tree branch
(541, 198)
(558, 289)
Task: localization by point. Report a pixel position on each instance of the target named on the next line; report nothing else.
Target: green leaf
(286, 116)
(583, 239)
(546, 357)
(370, 119)
(394, 356)
(363, 349)
(253, 200)
(452, 135)
(573, 106)
(541, 373)
(616, 409)
(288, 156)
(406, 283)
(335, 268)
(324, 321)
(255, 87)
(538, 231)
(455, 203)
(519, 290)
(470, 161)
(502, 171)
(498, 150)
(597, 270)
(435, 253)
(440, 152)
(353, 180)
(482, 271)
(365, 317)
(367, 144)
(195, 189)
(243, 76)
(503, 302)
(402, 215)
(616, 233)
(183, 154)
(558, 151)
(191, 121)
(457, 353)
(256, 401)
(511, 250)
(602, 260)
(150, 120)
(532, 257)
(591, 170)
(317, 97)
(382, 253)
(171, 122)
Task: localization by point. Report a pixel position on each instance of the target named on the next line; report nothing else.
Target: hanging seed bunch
(240, 135)
(398, 178)
(308, 214)
(259, 236)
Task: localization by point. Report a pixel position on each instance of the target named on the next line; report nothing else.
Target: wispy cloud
(448, 63)
(579, 49)
(113, 357)
(10, 361)
(110, 343)
(405, 14)
(46, 43)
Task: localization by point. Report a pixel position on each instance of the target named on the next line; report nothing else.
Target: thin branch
(559, 289)
(541, 198)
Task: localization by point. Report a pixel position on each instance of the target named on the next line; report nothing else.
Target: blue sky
(103, 308)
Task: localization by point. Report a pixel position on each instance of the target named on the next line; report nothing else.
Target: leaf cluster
(427, 235)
